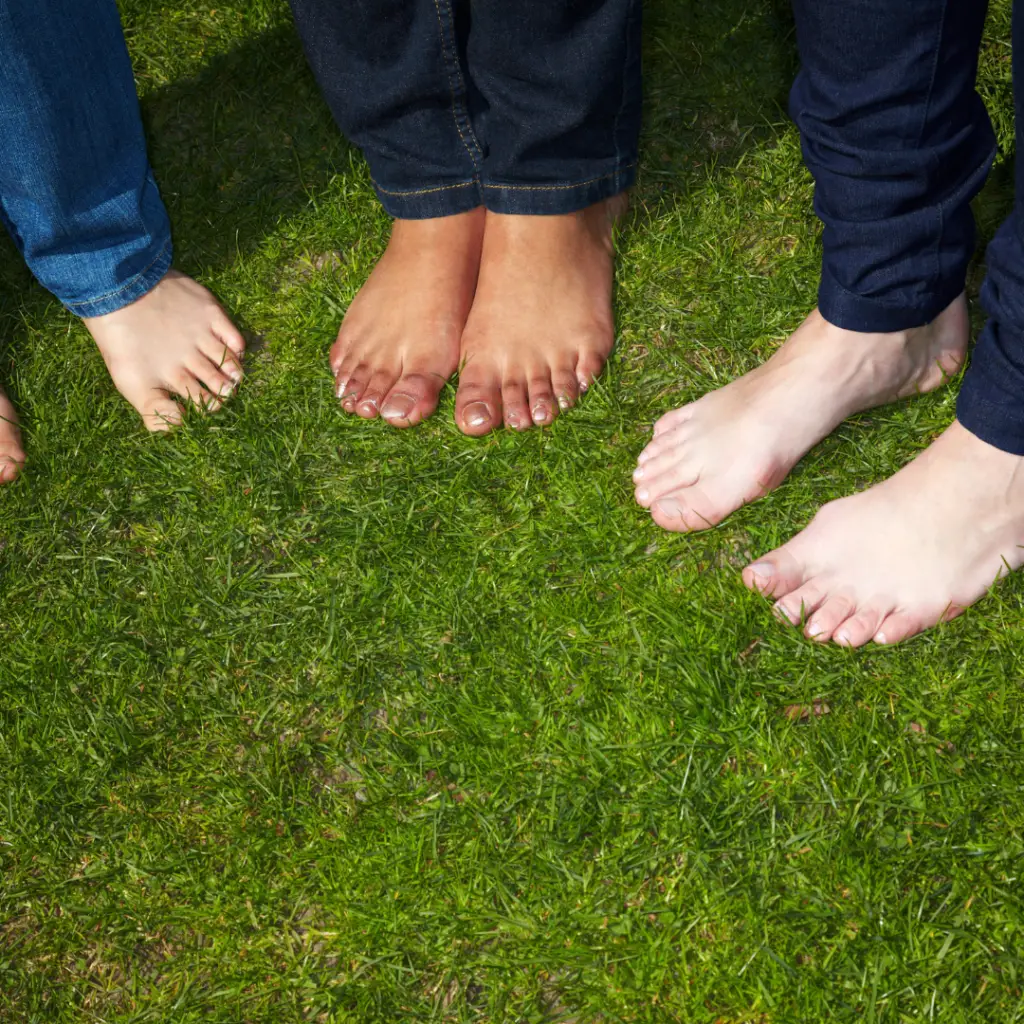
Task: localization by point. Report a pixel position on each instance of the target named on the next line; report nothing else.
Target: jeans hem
(131, 291)
(995, 424)
(568, 197)
(431, 201)
(844, 309)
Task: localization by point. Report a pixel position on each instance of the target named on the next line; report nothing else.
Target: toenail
(540, 413)
(842, 637)
(398, 407)
(370, 403)
(814, 629)
(880, 638)
(563, 402)
(476, 414)
(762, 569)
(583, 385)
(642, 494)
(638, 473)
(669, 507)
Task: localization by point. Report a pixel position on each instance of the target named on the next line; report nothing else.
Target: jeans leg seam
(926, 110)
(452, 61)
(625, 86)
(127, 286)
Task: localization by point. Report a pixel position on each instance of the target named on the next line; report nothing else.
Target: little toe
(372, 398)
(478, 406)
(228, 333)
(859, 628)
(775, 574)
(896, 627)
(801, 604)
(588, 369)
(543, 407)
(824, 622)
(515, 403)
(412, 399)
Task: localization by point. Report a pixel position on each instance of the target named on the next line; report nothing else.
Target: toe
(412, 399)
(192, 389)
(372, 398)
(515, 401)
(824, 622)
(671, 420)
(478, 405)
(213, 377)
(685, 511)
(799, 605)
(567, 388)
(12, 454)
(775, 574)
(588, 369)
(896, 627)
(677, 477)
(160, 414)
(543, 406)
(859, 628)
(228, 334)
(351, 385)
(223, 357)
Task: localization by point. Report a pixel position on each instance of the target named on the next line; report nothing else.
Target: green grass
(305, 719)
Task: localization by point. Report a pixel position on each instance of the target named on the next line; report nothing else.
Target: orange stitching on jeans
(451, 88)
(423, 191)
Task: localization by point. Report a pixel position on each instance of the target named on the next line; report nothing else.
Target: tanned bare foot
(12, 455)
(541, 326)
(734, 445)
(174, 341)
(908, 553)
(400, 339)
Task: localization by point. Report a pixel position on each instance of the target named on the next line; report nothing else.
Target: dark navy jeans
(522, 106)
(899, 142)
(76, 189)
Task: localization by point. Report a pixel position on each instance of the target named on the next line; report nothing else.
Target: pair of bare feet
(520, 305)
(172, 345)
(881, 565)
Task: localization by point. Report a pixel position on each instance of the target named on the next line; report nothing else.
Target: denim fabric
(76, 189)
(898, 142)
(991, 400)
(522, 106)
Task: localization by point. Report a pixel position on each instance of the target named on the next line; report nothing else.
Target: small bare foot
(12, 455)
(732, 446)
(400, 339)
(908, 553)
(541, 326)
(174, 341)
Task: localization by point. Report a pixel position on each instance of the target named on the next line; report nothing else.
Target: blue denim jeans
(522, 106)
(76, 189)
(899, 142)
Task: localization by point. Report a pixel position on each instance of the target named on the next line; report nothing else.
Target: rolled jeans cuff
(131, 291)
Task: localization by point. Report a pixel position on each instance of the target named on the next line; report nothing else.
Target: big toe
(412, 399)
(478, 406)
(686, 510)
(776, 574)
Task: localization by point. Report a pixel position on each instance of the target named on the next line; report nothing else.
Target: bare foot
(400, 339)
(541, 326)
(732, 446)
(910, 552)
(174, 341)
(12, 455)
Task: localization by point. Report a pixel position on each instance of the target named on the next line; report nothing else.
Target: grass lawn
(306, 719)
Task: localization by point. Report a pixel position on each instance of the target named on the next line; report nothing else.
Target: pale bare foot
(174, 341)
(732, 446)
(910, 552)
(12, 454)
(400, 339)
(541, 326)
